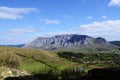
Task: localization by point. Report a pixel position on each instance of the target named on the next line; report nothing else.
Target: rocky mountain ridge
(70, 42)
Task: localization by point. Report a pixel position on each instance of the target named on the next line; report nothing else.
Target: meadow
(58, 64)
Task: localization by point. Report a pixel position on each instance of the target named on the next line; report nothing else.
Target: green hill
(30, 59)
(34, 60)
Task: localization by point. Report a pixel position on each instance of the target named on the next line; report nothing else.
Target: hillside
(29, 59)
(26, 61)
(117, 43)
(71, 42)
(32, 59)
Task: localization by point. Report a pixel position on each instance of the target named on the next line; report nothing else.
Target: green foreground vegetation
(31, 60)
(63, 62)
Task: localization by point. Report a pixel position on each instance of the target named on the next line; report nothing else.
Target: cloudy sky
(21, 21)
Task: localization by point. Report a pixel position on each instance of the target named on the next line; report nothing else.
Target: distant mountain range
(117, 43)
(71, 42)
(18, 45)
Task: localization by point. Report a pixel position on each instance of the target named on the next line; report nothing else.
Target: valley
(59, 39)
(33, 61)
(62, 56)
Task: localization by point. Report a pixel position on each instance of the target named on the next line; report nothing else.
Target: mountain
(70, 42)
(117, 43)
(17, 45)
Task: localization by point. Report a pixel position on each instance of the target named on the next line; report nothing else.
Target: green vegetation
(73, 74)
(9, 59)
(32, 67)
(33, 59)
(61, 65)
(94, 59)
(30, 59)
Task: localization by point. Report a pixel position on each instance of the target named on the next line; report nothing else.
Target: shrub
(10, 60)
(46, 74)
(72, 74)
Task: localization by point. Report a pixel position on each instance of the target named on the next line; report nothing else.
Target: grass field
(34, 61)
(31, 60)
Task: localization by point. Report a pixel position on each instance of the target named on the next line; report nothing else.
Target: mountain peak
(69, 42)
(101, 39)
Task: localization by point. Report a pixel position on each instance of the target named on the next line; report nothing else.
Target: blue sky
(21, 21)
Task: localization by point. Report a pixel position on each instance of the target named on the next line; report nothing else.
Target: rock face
(70, 42)
(11, 72)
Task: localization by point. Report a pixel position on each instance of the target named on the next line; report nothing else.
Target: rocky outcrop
(70, 42)
(11, 72)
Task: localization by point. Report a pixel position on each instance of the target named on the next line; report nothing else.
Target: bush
(46, 74)
(9, 60)
(72, 74)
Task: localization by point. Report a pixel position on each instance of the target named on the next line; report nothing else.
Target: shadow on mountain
(94, 74)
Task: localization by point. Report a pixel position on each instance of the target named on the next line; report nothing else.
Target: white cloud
(20, 39)
(18, 35)
(89, 17)
(22, 30)
(104, 17)
(114, 3)
(14, 13)
(18, 31)
(58, 33)
(48, 21)
(109, 30)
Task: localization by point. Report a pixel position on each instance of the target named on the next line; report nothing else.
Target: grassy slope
(33, 60)
(82, 56)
